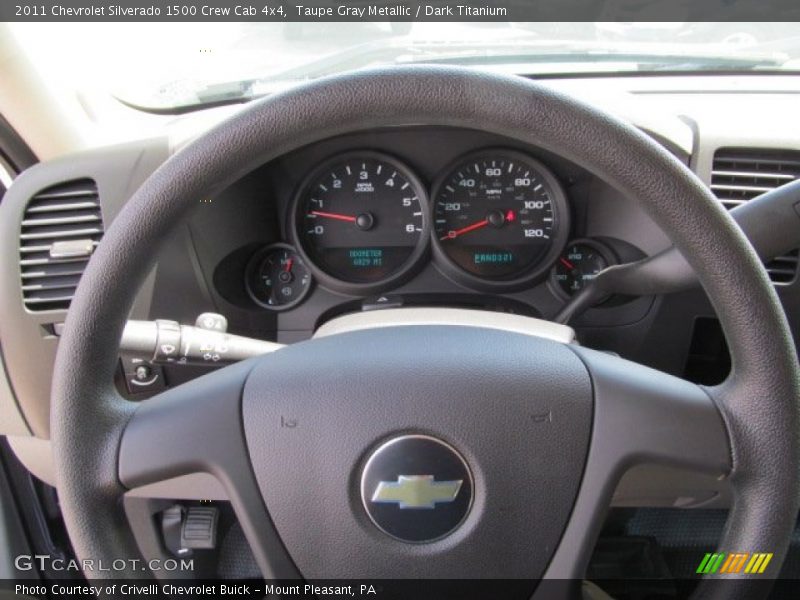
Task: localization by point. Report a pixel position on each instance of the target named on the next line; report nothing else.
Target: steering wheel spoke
(641, 416)
(197, 428)
(647, 416)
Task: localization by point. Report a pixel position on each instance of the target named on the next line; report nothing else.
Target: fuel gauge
(277, 278)
(580, 262)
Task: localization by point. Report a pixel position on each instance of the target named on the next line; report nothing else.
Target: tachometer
(500, 219)
(362, 222)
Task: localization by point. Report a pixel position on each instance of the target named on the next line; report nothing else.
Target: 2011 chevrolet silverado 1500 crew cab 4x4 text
(399, 309)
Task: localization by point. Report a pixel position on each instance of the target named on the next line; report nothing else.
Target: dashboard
(404, 216)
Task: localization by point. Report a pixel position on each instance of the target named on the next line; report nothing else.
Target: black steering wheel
(538, 431)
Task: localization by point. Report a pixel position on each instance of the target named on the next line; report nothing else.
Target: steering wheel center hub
(460, 443)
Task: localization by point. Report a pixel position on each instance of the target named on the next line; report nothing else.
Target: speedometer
(361, 221)
(500, 219)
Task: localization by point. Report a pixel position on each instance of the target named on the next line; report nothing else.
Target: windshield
(172, 68)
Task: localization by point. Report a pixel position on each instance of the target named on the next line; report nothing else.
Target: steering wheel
(535, 432)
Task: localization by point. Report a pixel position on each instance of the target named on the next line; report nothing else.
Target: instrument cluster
(363, 222)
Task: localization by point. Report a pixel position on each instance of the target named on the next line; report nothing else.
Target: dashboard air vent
(61, 227)
(741, 174)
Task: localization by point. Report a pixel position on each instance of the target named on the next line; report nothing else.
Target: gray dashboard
(201, 268)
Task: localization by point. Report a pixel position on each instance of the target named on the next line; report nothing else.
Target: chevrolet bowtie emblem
(416, 491)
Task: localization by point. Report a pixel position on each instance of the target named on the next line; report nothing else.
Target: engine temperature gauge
(277, 278)
(580, 262)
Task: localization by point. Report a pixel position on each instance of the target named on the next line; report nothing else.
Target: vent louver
(61, 226)
(741, 174)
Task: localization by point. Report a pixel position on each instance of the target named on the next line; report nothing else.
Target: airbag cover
(516, 407)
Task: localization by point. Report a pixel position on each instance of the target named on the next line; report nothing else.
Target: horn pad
(505, 414)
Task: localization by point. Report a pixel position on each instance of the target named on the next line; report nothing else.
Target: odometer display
(499, 217)
(361, 220)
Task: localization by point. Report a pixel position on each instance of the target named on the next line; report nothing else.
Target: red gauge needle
(288, 267)
(454, 234)
(337, 216)
(567, 264)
